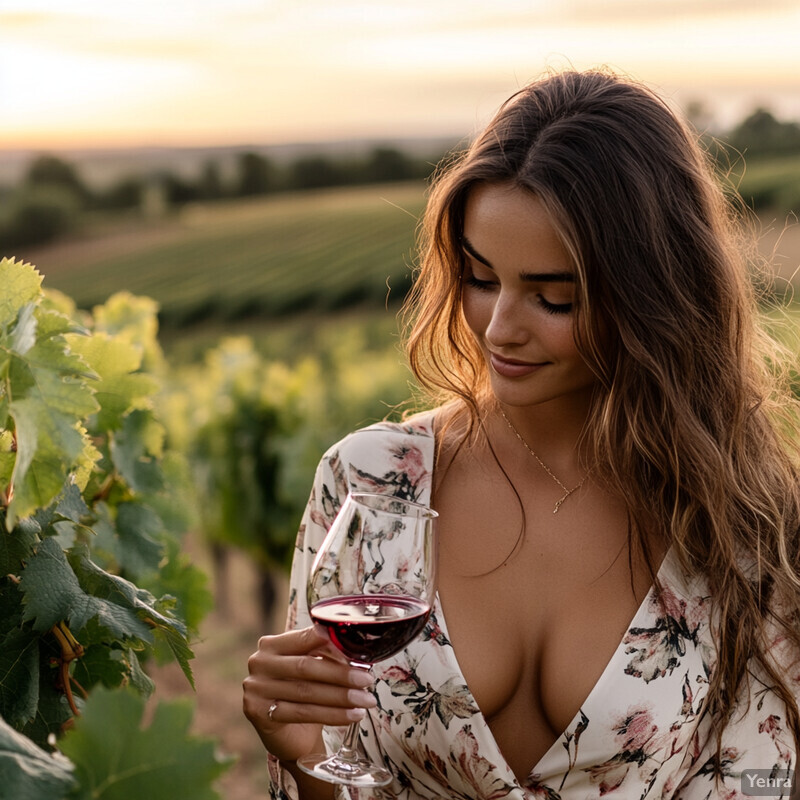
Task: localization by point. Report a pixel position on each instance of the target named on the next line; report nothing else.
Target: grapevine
(92, 581)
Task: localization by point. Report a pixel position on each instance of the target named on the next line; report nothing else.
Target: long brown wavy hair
(691, 422)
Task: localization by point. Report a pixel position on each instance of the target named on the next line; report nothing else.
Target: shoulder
(416, 431)
(386, 458)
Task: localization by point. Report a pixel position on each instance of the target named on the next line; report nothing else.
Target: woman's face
(518, 295)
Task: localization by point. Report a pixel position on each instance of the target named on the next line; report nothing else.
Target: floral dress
(642, 731)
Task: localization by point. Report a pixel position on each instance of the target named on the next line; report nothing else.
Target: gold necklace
(567, 492)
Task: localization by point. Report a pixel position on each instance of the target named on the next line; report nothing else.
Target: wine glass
(372, 585)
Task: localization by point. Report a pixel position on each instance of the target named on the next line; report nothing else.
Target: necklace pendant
(544, 466)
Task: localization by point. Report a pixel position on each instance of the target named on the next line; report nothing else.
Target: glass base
(352, 772)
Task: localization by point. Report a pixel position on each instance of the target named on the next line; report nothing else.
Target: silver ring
(272, 711)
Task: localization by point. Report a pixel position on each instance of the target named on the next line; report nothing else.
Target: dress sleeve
(323, 504)
(758, 752)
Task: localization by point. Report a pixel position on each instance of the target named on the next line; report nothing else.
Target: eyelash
(550, 308)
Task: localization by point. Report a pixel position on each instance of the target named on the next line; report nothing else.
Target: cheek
(477, 311)
(562, 337)
(559, 334)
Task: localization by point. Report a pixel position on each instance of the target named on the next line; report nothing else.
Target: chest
(536, 603)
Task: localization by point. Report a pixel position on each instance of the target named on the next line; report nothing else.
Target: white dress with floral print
(640, 733)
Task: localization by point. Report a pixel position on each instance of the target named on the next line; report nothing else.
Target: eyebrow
(538, 277)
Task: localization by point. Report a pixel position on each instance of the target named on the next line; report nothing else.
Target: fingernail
(358, 697)
(360, 678)
(356, 714)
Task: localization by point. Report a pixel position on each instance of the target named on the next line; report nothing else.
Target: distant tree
(210, 185)
(255, 175)
(315, 172)
(50, 171)
(124, 194)
(36, 215)
(177, 190)
(388, 164)
(761, 134)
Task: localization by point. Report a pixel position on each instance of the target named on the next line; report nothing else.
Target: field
(264, 258)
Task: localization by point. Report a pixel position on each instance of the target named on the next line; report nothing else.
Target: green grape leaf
(116, 758)
(71, 505)
(177, 504)
(7, 457)
(21, 284)
(134, 319)
(181, 651)
(140, 680)
(29, 773)
(23, 335)
(54, 300)
(103, 584)
(19, 676)
(48, 443)
(85, 463)
(120, 387)
(53, 709)
(47, 410)
(17, 545)
(102, 665)
(54, 321)
(112, 667)
(134, 450)
(53, 593)
(138, 549)
(179, 577)
(53, 356)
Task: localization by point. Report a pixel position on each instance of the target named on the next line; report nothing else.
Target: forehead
(512, 226)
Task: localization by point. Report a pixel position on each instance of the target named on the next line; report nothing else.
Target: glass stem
(348, 751)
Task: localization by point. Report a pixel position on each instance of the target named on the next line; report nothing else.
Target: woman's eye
(554, 308)
(477, 283)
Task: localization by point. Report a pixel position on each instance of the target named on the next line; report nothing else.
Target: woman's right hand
(311, 683)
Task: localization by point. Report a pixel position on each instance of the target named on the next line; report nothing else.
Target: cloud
(591, 12)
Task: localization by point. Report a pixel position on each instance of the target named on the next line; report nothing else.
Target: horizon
(222, 73)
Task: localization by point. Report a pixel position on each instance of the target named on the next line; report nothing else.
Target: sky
(100, 73)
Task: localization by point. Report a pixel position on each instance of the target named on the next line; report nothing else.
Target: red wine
(369, 628)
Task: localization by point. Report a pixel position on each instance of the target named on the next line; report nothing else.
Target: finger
(309, 667)
(308, 680)
(302, 640)
(313, 640)
(287, 712)
(318, 694)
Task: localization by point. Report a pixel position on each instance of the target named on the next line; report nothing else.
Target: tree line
(50, 198)
(52, 195)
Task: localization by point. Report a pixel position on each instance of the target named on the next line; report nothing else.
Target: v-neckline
(542, 767)
(610, 669)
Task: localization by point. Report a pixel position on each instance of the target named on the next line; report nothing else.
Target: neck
(552, 430)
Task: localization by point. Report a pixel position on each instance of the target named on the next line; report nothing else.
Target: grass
(265, 258)
(769, 184)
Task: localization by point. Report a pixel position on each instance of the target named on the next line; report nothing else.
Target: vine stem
(71, 649)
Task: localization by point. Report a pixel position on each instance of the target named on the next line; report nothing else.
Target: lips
(511, 367)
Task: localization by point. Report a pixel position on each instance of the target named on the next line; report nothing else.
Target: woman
(615, 470)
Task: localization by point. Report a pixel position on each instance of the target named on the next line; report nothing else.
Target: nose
(507, 325)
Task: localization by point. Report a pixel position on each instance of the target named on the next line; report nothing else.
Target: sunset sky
(211, 72)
